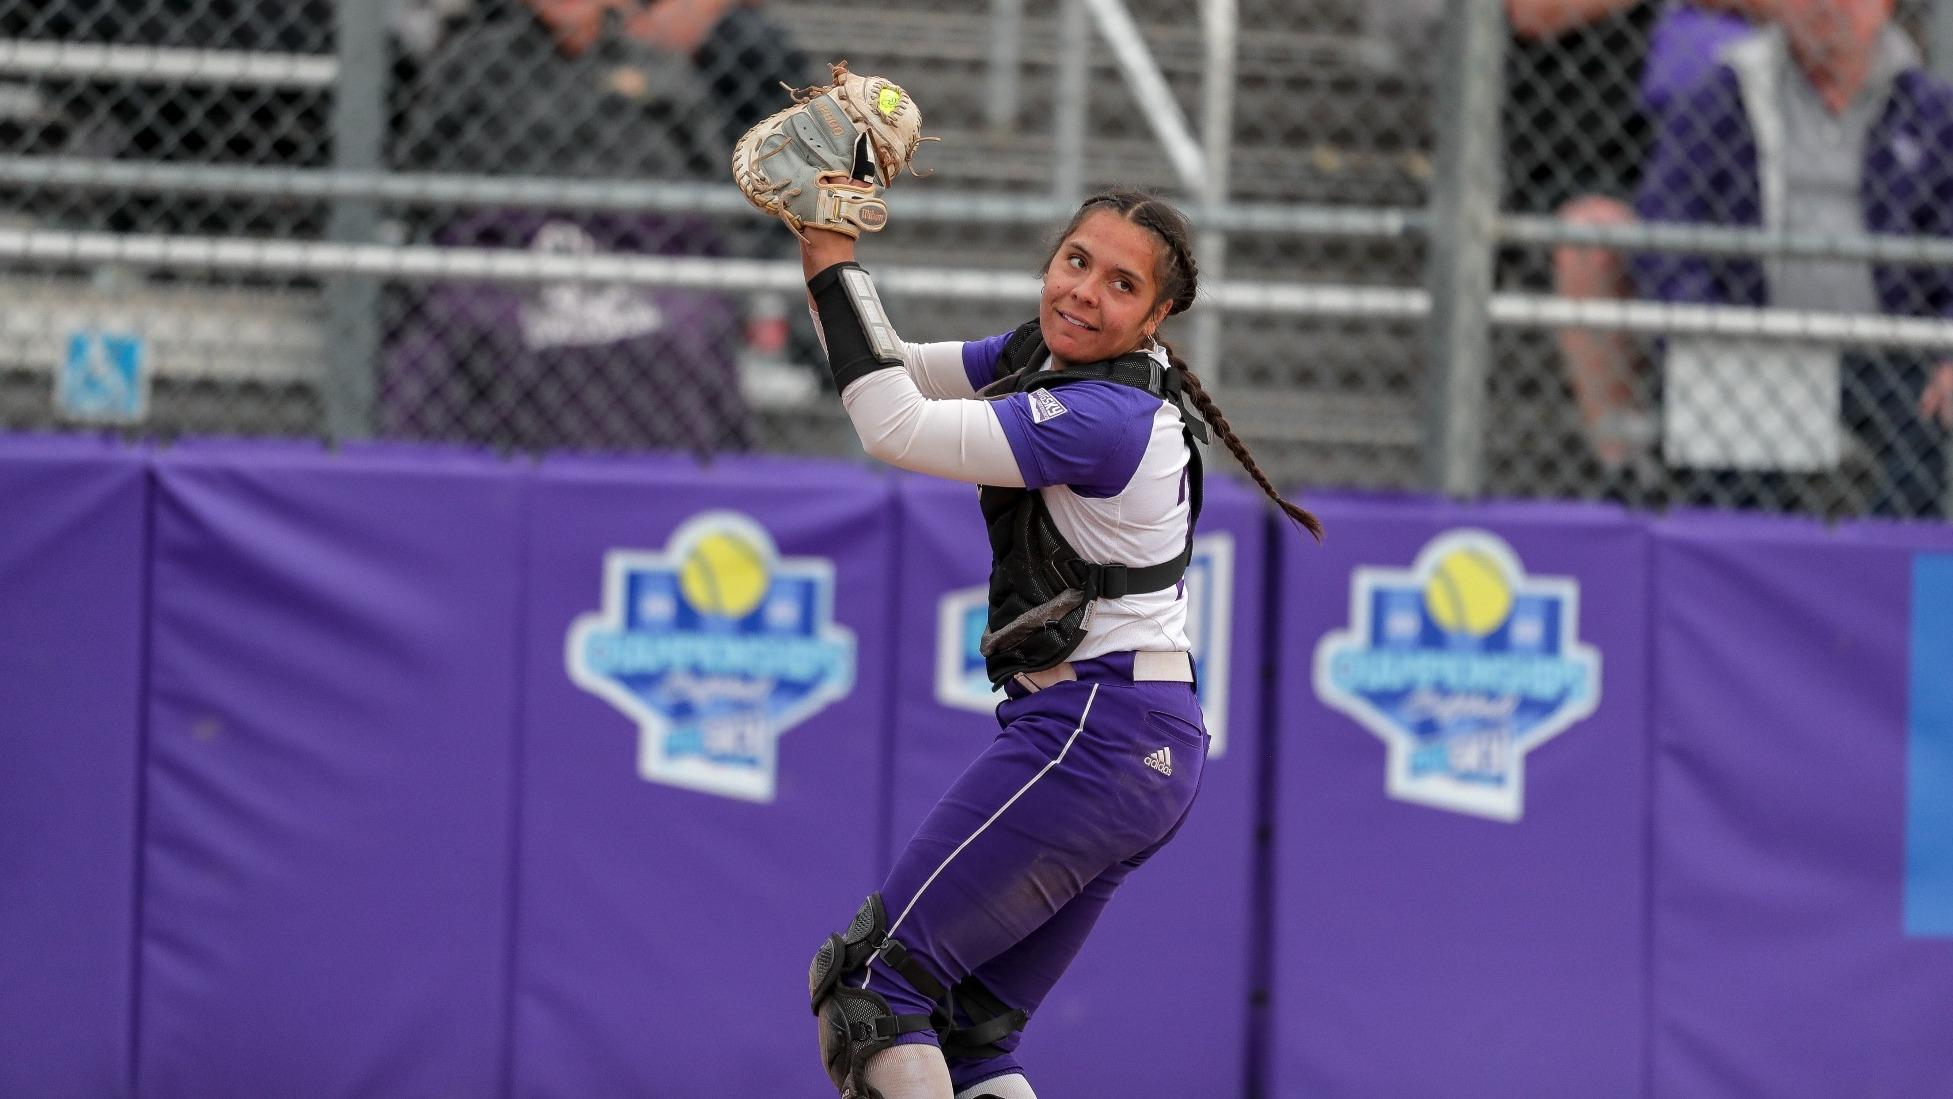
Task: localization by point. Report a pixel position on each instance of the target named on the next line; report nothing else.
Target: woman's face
(1100, 289)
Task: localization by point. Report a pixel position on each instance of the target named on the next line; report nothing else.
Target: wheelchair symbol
(103, 378)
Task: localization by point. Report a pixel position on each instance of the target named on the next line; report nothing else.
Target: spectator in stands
(596, 89)
(733, 44)
(1584, 78)
(1824, 123)
(745, 56)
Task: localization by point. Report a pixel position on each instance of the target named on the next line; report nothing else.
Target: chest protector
(1041, 590)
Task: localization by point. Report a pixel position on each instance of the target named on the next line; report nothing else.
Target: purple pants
(1007, 874)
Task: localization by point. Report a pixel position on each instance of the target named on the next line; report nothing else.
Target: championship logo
(962, 683)
(1461, 664)
(714, 648)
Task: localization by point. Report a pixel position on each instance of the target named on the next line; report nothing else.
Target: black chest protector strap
(1041, 590)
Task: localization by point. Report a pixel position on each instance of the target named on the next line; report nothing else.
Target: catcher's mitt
(826, 160)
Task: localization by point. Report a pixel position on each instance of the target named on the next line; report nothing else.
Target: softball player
(1078, 426)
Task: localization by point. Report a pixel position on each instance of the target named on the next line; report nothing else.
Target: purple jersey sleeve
(1087, 435)
(980, 358)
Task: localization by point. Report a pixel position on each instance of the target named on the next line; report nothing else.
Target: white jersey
(1110, 461)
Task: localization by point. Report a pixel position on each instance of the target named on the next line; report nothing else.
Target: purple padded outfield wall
(1784, 962)
(1175, 941)
(393, 771)
(1460, 803)
(705, 665)
(73, 551)
(330, 721)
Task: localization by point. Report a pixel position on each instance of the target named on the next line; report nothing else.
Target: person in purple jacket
(593, 90)
(1080, 426)
(1821, 124)
(1587, 81)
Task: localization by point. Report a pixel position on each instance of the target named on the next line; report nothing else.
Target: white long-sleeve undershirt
(956, 437)
(926, 418)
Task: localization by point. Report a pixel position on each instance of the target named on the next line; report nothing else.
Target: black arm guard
(860, 340)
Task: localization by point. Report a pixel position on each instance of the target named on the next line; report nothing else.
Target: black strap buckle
(1114, 581)
(880, 1027)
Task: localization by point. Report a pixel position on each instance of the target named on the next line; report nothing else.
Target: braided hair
(1179, 282)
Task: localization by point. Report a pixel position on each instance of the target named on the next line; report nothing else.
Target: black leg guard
(851, 1032)
(991, 1021)
(855, 1024)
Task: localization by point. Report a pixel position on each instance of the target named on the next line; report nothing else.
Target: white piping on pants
(1042, 771)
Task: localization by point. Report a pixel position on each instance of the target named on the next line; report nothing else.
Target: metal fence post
(358, 145)
(1074, 86)
(1939, 54)
(1006, 66)
(1463, 212)
(1220, 18)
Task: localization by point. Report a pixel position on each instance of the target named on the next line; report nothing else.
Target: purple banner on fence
(1783, 963)
(1460, 789)
(73, 531)
(1196, 892)
(329, 770)
(702, 747)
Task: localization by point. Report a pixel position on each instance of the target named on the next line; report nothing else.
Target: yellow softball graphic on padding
(1468, 593)
(724, 575)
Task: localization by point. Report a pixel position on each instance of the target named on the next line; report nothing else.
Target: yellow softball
(724, 575)
(1468, 593)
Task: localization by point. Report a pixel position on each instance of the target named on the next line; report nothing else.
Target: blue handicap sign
(103, 377)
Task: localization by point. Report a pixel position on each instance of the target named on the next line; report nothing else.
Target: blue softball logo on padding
(714, 647)
(1460, 664)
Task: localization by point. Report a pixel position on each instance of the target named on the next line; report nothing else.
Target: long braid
(1211, 412)
(1181, 283)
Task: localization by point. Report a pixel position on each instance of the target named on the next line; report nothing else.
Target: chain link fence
(1784, 156)
(1471, 247)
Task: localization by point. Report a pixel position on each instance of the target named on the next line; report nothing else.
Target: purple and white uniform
(1109, 459)
(1087, 778)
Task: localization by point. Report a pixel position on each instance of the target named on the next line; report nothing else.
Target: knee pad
(855, 1024)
